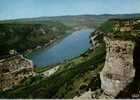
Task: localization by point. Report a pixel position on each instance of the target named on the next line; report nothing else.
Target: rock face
(118, 71)
(96, 38)
(13, 70)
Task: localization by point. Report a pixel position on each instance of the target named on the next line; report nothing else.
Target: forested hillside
(22, 36)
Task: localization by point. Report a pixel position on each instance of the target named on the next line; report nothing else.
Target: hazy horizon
(65, 15)
(16, 9)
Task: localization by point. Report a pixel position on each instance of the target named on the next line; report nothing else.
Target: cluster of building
(13, 70)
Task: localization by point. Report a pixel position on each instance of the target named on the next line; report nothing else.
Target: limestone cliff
(118, 70)
(120, 74)
(13, 70)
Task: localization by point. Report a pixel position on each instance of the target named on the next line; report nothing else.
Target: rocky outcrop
(51, 71)
(96, 38)
(122, 57)
(118, 70)
(13, 70)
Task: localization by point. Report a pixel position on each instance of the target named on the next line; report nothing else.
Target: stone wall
(13, 70)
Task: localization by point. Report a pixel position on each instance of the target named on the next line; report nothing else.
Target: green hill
(23, 36)
(76, 20)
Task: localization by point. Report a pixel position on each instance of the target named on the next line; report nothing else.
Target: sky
(12, 9)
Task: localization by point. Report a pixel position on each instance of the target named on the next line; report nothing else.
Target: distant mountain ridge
(75, 20)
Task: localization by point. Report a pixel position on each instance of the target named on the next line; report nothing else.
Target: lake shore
(28, 53)
(71, 46)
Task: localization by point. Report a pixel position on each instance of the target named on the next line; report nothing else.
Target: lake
(71, 46)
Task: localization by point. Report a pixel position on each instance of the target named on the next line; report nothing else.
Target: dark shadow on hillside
(133, 90)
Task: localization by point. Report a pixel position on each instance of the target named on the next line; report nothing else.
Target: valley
(107, 55)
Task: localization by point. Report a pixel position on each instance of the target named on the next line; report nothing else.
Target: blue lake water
(71, 46)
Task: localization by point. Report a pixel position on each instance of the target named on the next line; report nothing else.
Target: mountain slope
(77, 20)
(23, 36)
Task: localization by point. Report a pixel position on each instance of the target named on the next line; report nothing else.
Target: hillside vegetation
(123, 28)
(75, 20)
(23, 36)
(72, 79)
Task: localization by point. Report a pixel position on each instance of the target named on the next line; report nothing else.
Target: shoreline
(53, 43)
(27, 54)
(65, 61)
